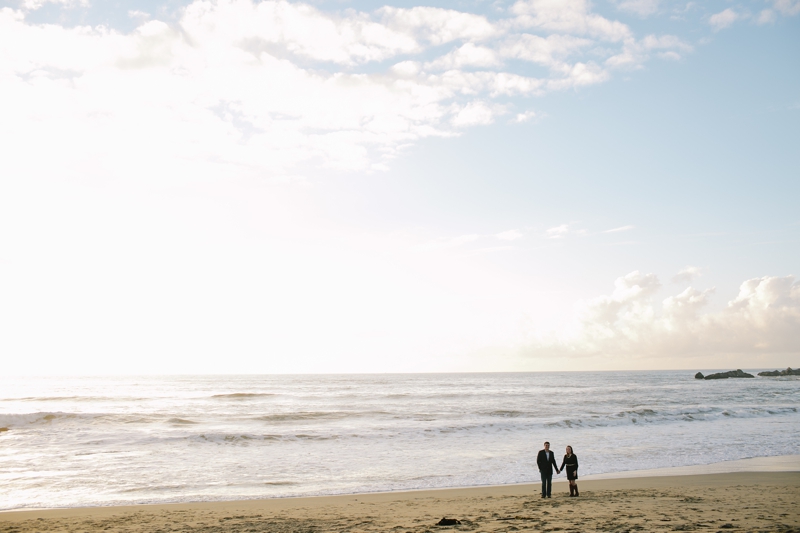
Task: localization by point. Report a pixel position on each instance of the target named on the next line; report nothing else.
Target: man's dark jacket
(545, 466)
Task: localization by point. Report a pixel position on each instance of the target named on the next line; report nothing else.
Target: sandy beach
(734, 501)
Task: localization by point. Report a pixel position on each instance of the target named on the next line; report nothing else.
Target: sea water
(82, 441)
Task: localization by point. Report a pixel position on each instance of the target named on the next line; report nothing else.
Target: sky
(358, 186)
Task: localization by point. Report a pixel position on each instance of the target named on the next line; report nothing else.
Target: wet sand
(737, 501)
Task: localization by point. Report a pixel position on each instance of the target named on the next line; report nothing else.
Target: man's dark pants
(547, 483)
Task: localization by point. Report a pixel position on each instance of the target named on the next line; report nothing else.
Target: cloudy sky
(358, 186)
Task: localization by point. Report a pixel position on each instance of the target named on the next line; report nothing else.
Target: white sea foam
(102, 441)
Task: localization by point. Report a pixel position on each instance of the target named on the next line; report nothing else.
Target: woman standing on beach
(571, 462)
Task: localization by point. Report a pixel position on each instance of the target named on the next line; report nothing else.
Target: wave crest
(242, 395)
(651, 416)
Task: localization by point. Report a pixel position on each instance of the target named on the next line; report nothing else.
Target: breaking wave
(246, 438)
(301, 416)
(651, 416)
(243, 395)
(180, 421)
(188, 438)
(87, 399)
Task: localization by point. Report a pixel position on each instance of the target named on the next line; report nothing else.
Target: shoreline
(756, 470)
(760, 502)
(774, 463)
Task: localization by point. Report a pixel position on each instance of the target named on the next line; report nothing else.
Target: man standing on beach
(546, 462)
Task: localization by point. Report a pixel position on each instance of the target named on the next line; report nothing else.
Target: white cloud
(505, 83)
(563, 230)
(32, 5)
(634, 53)
(578, 75)
(473, 114)
(525, 117)
(619, 229)
(406, 69)
(549, 51)
(687, 275)
(643, 8)
(273, 88)
(568, 16)
(787, 7)
(764, 318)
(557, 232)
(139, 15)
(664, 42)
(723, 19)
(282, 26)
(437, 26)
(766, 16)
(510, 235)
(468, 55)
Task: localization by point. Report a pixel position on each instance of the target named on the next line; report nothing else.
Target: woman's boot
(576, 489)
(571, 491)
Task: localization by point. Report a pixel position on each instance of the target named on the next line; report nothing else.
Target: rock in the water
(732, 374)
(448, 522)
(699, 375)
(787, 372)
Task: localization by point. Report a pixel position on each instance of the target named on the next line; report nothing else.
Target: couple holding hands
(546, 461)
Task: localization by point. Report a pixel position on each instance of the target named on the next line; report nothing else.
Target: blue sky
(338, 187)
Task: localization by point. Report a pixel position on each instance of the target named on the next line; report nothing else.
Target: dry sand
(740, 501)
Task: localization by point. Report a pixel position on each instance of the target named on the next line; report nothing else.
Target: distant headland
(739, 373)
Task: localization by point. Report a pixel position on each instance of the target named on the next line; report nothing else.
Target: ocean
(86, 441)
